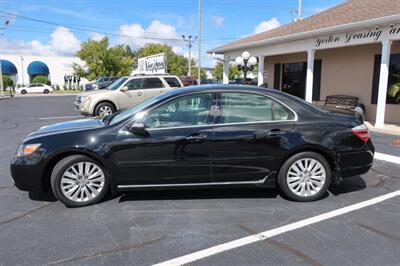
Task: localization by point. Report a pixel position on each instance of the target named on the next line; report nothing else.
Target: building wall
(348, 71)
(58, 67)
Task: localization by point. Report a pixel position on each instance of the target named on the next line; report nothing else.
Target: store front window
(294, 79)
(394, 78)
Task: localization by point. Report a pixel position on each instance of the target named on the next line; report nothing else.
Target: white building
(350, 49)
(23, 68)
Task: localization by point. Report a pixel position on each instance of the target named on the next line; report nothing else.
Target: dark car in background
(100, 84)
(241, 81)
(200, 136)
(210, 81)
(189, 81)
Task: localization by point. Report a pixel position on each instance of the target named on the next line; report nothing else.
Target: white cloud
(267, 25)
(136, 36)
(96, 36)
(218, 21)
(62, 42)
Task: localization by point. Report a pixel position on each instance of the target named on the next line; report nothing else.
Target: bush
(7, 81)
(41, 79)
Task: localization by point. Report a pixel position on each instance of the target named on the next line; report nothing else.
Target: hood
(87, 93)
(75, 125)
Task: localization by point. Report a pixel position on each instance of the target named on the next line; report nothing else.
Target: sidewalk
(392, 129)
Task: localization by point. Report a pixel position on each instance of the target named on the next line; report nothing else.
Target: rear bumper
(352, 163)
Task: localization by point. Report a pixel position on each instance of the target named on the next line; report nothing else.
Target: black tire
(23, 92)
(102, 105)
(58, 172)
(46, 91)
(283, 173)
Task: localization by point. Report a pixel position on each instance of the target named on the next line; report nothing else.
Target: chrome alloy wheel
(82, 181)
(306, 177)
(105, 110)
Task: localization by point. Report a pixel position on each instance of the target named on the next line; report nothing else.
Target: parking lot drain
(379, 232)
(105, 252)
(285, 247)
(25, 214)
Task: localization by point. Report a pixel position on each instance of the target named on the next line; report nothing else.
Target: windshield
(116, 84)
(135, 109)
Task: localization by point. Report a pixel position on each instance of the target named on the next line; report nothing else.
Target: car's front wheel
(23, 91)
(79, 181)
(104, 108)
(46, 91)
(305, 176)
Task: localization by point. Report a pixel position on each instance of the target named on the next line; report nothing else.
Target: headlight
(26, 149)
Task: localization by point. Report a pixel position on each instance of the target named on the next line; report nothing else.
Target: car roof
(222, 87)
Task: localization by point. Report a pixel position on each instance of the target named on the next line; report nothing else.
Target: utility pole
(296, 13)
(22, 64)
(189, 41)
(299, 11)
(199, 34)
(1, 71)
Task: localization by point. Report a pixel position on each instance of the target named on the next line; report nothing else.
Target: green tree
(219, 68)
(102, 60)
(7, 81)
(41, 79)
(176, 64)
(394, 90)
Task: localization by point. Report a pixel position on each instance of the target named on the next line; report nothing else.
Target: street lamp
(245, 63)
(189, 41)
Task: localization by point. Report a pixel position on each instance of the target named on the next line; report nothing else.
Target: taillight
(361, 132)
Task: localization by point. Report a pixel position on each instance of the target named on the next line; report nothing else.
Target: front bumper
(82, 108)
(28, 173)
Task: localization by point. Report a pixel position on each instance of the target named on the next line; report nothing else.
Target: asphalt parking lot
(149, 227)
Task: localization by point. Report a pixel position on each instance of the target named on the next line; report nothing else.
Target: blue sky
(223, 21)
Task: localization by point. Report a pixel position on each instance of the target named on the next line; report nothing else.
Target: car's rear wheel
(305, 176)
(79, 181)
(104, 108)
(46, 91)
(23, 91)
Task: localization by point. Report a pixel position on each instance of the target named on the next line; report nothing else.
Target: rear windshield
(173, 82)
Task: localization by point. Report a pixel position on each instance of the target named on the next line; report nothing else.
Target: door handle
(196, 138)
(139, 93)
(276, 132)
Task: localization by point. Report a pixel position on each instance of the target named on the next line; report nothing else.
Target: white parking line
(59, 117)
(274, 232)
(387, 157)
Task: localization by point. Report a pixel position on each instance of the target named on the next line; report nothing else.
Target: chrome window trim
(213, 124)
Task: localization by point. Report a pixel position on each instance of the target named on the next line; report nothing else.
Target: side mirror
(124, 88)
(138, 129)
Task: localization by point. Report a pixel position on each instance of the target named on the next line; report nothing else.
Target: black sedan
(215, 135)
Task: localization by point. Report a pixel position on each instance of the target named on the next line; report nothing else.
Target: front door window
(189, 110)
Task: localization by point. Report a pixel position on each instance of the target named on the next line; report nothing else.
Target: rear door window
(152, 83)
(248, 107)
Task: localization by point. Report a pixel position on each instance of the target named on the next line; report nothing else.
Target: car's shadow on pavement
(194, 194)
(348, 185)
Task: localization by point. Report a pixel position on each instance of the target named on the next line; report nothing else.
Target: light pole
(199, 34)
(1, 71)
(245, 63)
(189, 41)
(22, 70)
